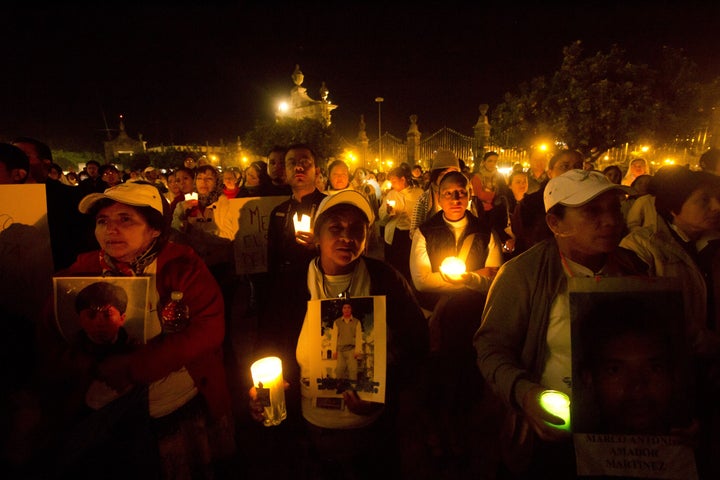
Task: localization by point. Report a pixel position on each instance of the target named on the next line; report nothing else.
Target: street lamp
(379, 101)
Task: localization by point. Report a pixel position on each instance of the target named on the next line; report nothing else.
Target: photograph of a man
(630, 370)
(347, 343)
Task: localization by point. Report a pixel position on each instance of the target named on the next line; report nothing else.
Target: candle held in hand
(558, 404)
(268, 380)
(301, 224)
(453, 268)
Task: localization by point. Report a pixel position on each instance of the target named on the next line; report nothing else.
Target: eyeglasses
(454, 194)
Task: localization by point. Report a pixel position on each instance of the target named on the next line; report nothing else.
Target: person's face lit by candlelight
(341, 236)
(453, 196)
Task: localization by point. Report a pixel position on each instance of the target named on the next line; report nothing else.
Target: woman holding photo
(359, 439)
(171, 390)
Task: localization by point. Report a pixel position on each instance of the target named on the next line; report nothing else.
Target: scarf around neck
(112, 267)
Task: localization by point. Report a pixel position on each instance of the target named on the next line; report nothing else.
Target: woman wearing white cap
(180, 376)
(357, 439)
(523, 343)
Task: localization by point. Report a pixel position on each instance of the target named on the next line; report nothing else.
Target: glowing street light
(379, 101)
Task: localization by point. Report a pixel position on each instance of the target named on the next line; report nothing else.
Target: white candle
(453, 267)
(268, 380)
(301, 224)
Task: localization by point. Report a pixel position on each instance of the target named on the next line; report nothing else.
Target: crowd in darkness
(469, 352)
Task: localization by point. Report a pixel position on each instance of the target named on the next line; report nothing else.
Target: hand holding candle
(301, 224)
(558, 404)
(191, 200)
(268, 380)
(453, 268)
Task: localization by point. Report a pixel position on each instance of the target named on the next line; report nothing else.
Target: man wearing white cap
(523, 343)
(152, 175)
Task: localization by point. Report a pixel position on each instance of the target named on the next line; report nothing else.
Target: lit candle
(391, 203)
(302, 224)
(558, 404)
(453, 268)
(268, 380)
(191, 196)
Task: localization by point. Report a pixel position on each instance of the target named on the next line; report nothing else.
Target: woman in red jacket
(180, 376)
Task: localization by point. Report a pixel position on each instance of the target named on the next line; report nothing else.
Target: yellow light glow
(391, 203)
(505, 171)
(267, 374)
(301, 224)
(283, 107)
(558, 404)
(453, 267)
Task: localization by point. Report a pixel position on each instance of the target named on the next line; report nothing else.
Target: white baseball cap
(349, 197)
(129, 193)
(575, 188)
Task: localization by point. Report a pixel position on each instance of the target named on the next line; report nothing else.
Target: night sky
(207, 72)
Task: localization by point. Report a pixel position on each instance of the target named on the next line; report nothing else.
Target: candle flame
(453, 267)
(302, 224)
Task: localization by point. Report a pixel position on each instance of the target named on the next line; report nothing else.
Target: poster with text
(246, 224)
(631, 378)
(350, 342)
(103, 310)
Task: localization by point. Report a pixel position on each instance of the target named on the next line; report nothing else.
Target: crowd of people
(467, 353)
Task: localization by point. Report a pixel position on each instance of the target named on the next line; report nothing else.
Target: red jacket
(199, 346)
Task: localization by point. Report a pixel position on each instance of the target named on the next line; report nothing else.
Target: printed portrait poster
(26, 263)
(246, 224)
(631, 378)
(97, 293)
(351, 354)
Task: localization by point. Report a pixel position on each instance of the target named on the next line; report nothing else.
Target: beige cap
(349, 197)
(129, 193)
(443, 159)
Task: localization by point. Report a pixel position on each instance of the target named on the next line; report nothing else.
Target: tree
(323, 139)
(603, 101)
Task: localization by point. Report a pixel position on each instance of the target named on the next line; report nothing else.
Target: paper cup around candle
(301, 224)
(453, 268)
(268, 380)
(558, 404)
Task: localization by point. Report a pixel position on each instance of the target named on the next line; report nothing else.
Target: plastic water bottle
(175, 315)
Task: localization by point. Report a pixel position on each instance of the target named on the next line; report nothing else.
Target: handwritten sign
(246, 223)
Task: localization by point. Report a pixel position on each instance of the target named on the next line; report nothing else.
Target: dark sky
(206, 72)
